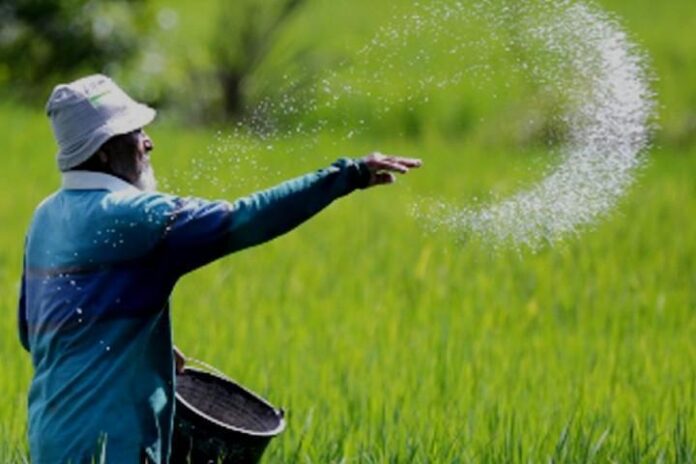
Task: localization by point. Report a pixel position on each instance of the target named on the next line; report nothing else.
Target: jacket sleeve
(200, 231)
(22, 313)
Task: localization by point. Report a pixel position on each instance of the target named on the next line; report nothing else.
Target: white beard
(147, 181)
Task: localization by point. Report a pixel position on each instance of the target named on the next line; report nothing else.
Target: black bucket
(219, 421)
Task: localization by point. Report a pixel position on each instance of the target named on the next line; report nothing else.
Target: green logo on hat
(95, 99)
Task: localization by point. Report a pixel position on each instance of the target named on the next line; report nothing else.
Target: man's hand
(179, 360)
(382, 167)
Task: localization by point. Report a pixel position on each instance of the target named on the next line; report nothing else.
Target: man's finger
(408, 162)
(382, 178)
(389, 166)
(411, 162)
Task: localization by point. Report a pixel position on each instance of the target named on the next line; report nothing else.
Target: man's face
(145, 174)
(128, 157)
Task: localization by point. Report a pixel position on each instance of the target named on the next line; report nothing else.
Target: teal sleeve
(268, 214)
(201, 231)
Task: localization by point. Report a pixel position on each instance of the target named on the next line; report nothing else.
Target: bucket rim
(232, 428)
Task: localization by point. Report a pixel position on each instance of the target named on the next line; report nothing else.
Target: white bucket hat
(89, 111)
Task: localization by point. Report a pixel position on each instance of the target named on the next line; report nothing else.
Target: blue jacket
(101, 260)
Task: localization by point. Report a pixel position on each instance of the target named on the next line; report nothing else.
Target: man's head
(99, 127)
(126, 156)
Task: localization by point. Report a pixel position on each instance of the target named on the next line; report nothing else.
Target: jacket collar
(90, 180)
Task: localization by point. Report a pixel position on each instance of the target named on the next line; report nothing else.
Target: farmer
(102, 257)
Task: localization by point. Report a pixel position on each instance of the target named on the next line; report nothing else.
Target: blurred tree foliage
(44, 41)
(246, 33)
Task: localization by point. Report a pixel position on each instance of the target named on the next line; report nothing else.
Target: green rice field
(388, 342)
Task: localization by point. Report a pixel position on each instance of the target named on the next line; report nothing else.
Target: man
(101, 259)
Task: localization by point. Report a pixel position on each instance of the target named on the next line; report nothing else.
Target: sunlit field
(387, 339)
(388, 343)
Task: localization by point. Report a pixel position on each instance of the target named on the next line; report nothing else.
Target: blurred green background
(210, 62)
(384, 341)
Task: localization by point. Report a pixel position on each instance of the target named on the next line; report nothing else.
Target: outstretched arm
(201, 231)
